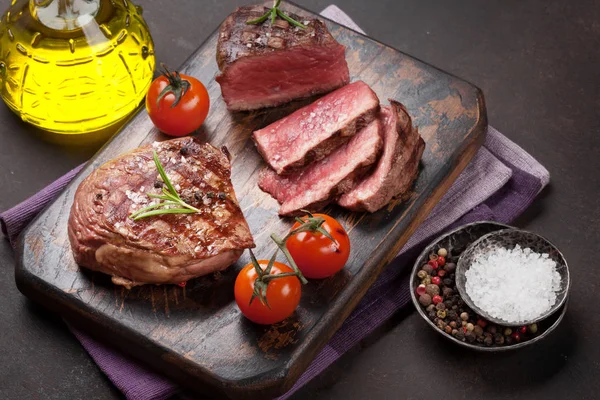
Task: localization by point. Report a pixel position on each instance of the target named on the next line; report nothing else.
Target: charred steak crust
(397, 168)
(168, 248)
(267, 65)
(314, 131)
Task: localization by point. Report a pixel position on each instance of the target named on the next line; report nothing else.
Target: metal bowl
(509, 238)
(457, 242)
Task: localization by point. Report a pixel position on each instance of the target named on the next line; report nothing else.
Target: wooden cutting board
(196, 335)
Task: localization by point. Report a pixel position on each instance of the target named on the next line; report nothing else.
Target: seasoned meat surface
(396, 169)
(312, 132)
(267, 65)
(321, 182)
(168, 248)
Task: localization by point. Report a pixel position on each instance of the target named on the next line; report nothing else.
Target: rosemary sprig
(272, 14)
(171, 202)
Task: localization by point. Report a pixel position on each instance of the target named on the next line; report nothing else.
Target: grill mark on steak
(318, 184)
(313, 132)
(398, 167)
(167, 248)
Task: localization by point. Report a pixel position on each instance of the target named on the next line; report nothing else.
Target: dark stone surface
(537, 63)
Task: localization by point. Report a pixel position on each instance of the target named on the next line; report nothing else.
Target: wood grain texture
(196, 334)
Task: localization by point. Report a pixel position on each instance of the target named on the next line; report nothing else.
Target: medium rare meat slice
(318, 184)
(267, 65)
(397, 168)
(312, 132)
(168, 248)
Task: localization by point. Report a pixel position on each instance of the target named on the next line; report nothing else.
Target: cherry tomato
(283, 294)
(315, 254)
(183, 107)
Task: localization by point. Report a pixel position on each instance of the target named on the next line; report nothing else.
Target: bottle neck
(64, 15)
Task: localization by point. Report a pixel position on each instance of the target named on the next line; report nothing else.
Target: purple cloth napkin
(499, 184)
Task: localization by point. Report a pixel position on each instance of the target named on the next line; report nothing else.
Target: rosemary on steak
(170, 202)
(272, 14)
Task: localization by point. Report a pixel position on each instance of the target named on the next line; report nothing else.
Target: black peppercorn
(470, 336)
(222, 196)
(491, 329)
(447, 281)
(433, 273)
(432, 315)
(425, 300)
(450, 267)
(427, 268)
(488, 341)
(184, 151)
(451, 314)
(430, 307)
(499, 339)
(447, 292)
(198, 195)
(158, 184)
(455, 307)
(433, 290)
(440, 306)
(210, 195)
(448, 303)
(460, 335)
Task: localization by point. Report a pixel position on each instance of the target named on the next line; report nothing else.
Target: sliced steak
(267, 65)
(312, 132)
(168, 248)
(397, 168)
(320, 183)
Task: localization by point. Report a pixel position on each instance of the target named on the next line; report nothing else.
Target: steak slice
(312, 132)
(167, 248)
(267, 65)
(397, 168)
(320, 183)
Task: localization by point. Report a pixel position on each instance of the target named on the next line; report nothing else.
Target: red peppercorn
(436, 280)
(182, 284)
(437, 299)
(441, 261)
(482, 323)
(516, 336)
(434, 264)
(523, 330)
(421, 289)
(441, 273)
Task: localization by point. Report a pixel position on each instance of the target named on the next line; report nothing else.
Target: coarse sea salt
(514, 285)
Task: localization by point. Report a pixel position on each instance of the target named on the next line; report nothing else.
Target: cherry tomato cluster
(316, 247)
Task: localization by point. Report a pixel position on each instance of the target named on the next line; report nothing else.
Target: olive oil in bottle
(74, 66)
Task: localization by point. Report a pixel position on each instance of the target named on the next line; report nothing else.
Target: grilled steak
(397, 168)
(168, 248)
(267, 65)
(319, 183)
(312, 132)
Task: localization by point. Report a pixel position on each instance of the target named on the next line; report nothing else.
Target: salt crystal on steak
(513, 285)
